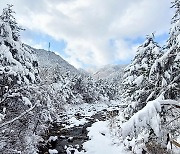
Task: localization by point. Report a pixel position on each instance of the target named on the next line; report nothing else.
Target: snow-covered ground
(107, 133)
(90, 109)
(85, 111)
(102, 140)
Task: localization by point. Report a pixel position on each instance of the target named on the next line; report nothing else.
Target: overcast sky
(92, 33)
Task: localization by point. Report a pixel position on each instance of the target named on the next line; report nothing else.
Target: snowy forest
(49, 106)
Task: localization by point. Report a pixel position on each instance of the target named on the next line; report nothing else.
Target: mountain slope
(109, 72)
(50, 59)
(51, 65)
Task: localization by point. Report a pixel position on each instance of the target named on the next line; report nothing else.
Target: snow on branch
(170, 102)
(178, 117)
(147, 117)
(20, 116)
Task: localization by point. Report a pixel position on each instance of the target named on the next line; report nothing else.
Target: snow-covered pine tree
(136, 88)
(161, 117)
(18, 70)
(102, 89)
(167, 69)
(109, 89)
(171, 59)
(165, 72)
(16, 59)
(8, 18)
(88, 90)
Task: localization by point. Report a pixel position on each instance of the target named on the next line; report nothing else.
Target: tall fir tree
(18, 73)
(135, 80)
(165, 72)
(171, 59)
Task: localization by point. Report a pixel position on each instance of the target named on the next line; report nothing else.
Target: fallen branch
(20, 116)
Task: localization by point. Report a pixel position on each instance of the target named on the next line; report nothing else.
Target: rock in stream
(69, 137)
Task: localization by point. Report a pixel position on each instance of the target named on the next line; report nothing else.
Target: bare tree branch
(20, 116)
(172, 120)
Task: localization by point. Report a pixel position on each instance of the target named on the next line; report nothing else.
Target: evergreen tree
(8, 18)
(18, 70)
(161, 80)
(165, 72)
(135, 81)
(171, 59)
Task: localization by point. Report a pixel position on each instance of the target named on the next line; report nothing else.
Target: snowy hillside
(109, 71)
(50, 59)
(84, 72)
(51, 65)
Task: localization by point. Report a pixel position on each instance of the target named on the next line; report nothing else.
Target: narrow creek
(73, 137)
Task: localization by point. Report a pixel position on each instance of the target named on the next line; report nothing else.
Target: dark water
(72, 137)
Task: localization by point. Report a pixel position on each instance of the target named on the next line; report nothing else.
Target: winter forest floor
(86, 129)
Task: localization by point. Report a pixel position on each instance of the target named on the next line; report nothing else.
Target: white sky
(96, 32)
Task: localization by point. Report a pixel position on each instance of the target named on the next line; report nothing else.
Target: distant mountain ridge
(50, 60)
(109, 71)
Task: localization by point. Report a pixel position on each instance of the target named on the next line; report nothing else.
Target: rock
(103, 134)
(70, 139)
(73, 137)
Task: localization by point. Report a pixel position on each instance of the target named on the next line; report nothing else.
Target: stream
(73, 137)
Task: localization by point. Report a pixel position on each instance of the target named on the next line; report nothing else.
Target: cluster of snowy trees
(151, 88)
(78, 88)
